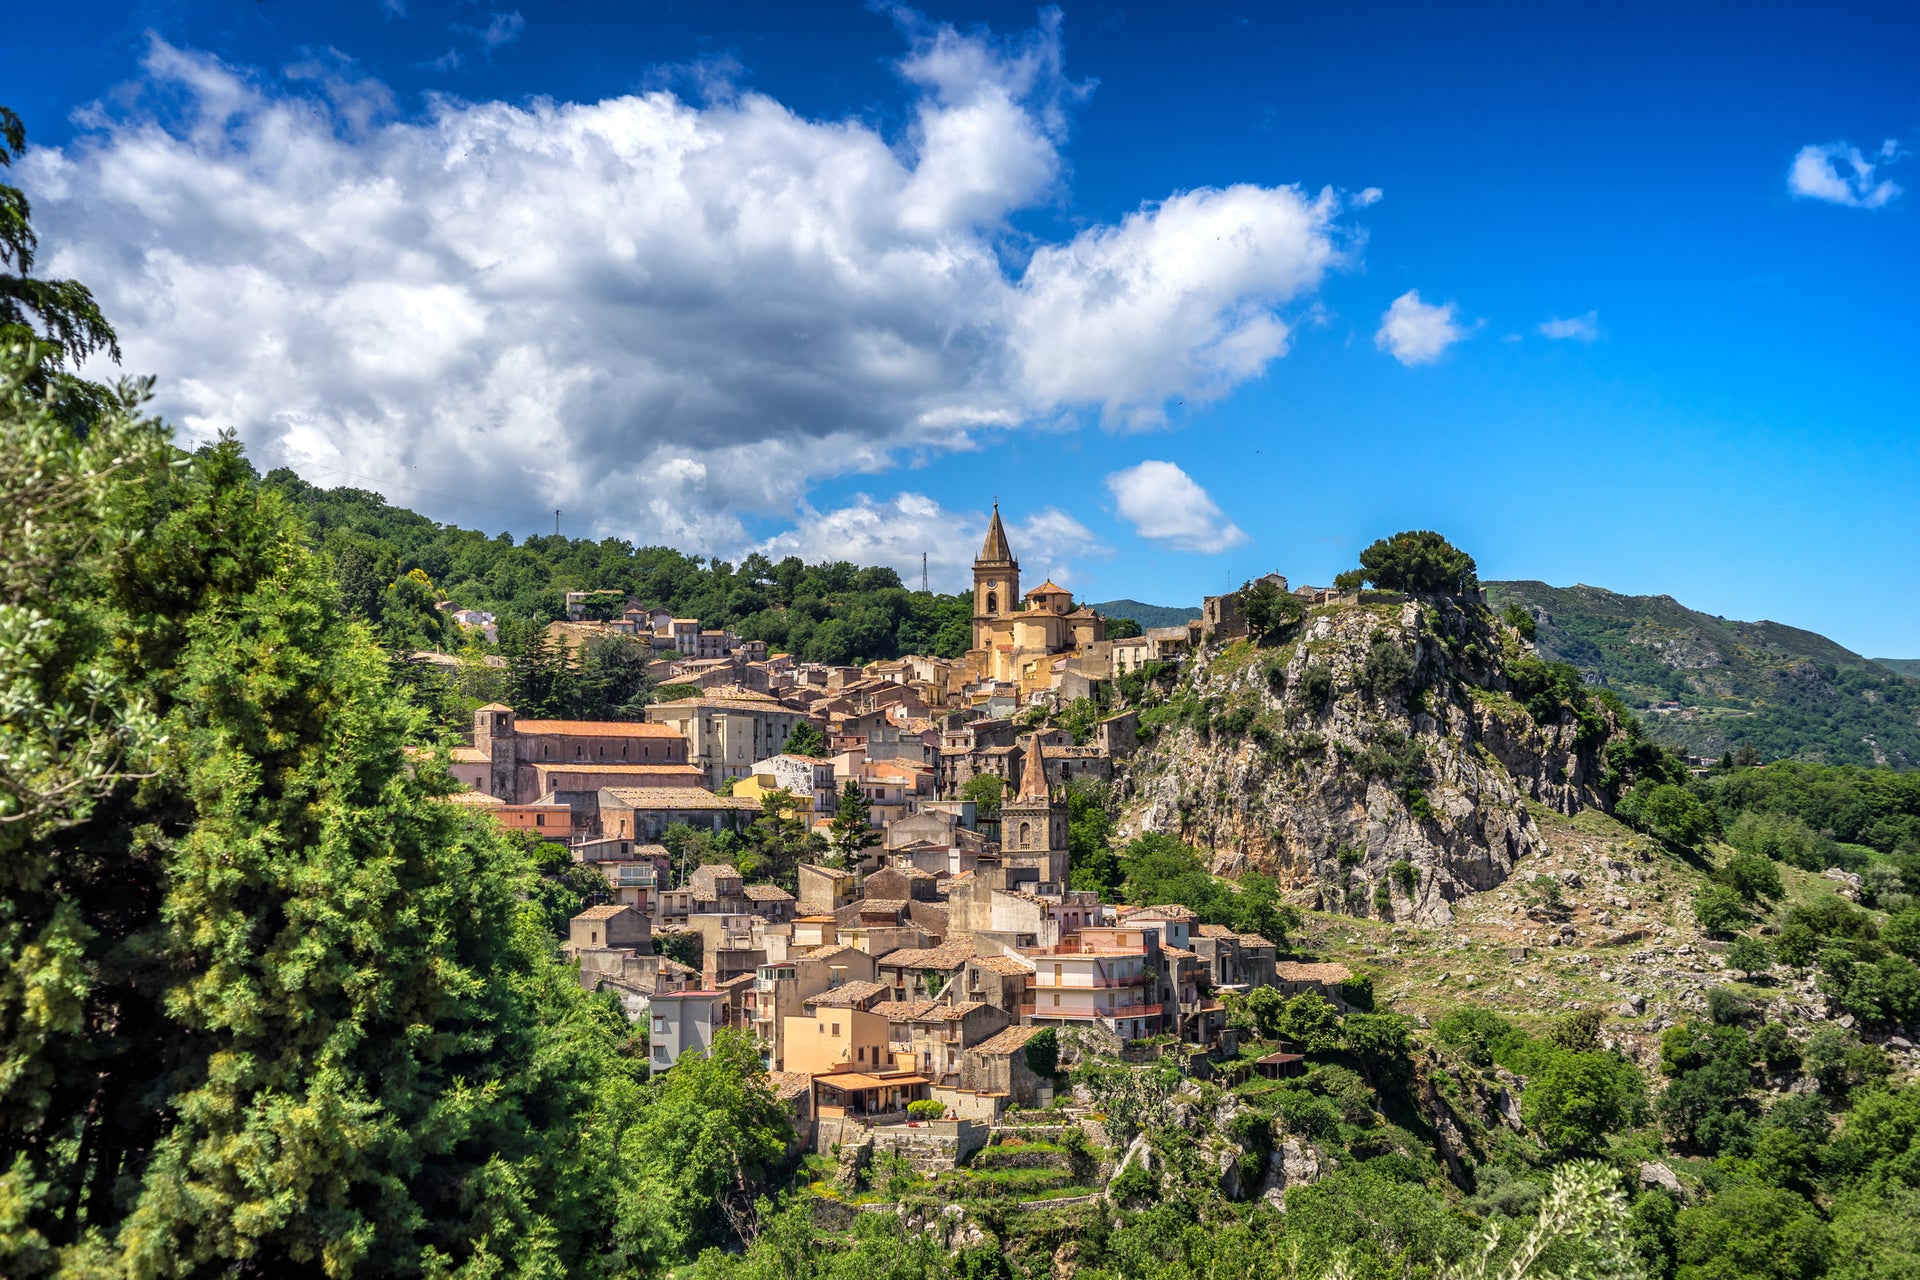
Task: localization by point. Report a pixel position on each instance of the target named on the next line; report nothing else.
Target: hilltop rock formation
(1375, 761)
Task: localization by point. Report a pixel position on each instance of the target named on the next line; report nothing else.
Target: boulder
(1655, 1174)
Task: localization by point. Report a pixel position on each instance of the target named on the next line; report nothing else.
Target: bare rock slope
(1375, 761)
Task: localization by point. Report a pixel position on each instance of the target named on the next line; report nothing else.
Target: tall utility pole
(556, 522)
(923, 572)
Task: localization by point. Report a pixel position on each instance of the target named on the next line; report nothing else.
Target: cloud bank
(1415, 332)
(1838, 173)
(666, 318)
(1165, 505)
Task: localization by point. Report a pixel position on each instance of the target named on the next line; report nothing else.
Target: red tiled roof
(596, 728)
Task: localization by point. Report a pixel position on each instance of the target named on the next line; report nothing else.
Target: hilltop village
(916, 962)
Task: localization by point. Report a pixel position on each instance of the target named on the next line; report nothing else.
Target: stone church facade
(1017, 638)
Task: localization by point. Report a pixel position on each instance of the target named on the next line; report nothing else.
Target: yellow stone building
(1017, 638)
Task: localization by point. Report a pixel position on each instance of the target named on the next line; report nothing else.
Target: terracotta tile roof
(469, 755)
(679, 798)
(1047, 588)
(735, 703)
(1215, 931)
(1165, 911)
(1008, 965)
(1294, 971)
(545, 767)
(788, 1085)
(767, 893)
(738, 980)
(602, 913)
(1006, 1041)
(848, 995)
(828, 951)
(1253, 940)
(907, 1010)
(478, 799)
(948, 955)
(596, 728)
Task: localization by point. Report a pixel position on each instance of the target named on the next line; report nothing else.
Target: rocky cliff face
(1374, 761)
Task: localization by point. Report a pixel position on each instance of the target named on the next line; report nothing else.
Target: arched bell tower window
(993, 602)
(1026, 835)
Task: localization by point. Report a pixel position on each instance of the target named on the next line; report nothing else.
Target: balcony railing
(1082, 1011)
(1100, 981)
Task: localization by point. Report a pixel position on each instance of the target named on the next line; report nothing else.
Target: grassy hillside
(1785, 692)
(1147, 615)
(1908, 667)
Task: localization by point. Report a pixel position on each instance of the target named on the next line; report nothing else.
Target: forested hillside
(1783, 692)
(836, 612)
(1147, 615)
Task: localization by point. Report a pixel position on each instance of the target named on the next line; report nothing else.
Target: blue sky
(1130, 269)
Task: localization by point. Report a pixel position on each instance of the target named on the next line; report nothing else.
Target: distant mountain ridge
(1147, 615)
(1908, 667)
(1786, 692)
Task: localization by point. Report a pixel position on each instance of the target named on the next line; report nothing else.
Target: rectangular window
(836, 1030)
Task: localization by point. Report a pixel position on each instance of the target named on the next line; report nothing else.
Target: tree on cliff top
(1417, 560)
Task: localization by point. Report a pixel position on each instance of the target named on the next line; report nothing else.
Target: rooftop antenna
(923, 573)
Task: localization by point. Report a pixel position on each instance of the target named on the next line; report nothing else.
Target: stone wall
(934, 1147)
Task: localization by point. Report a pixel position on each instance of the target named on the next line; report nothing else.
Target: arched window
(993, 602)
(1026, 835)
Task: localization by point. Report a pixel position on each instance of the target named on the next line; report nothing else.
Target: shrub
(1749, 955)
(926, 1109)
(1670, 814)
(1316, 685)
(1578, 1099)
(1575, 1032)
(1719, 910)
(1357, 991)
(1474, 1033)
(1520, 620)
(1307, 1114)
(1043, 1053)
(1751, 875)
(1407, 877)
(1387, 667)
(1727, 1007)
(1311, 1022)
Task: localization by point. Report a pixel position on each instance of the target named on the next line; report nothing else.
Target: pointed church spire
(996, 548)
(1033, 777)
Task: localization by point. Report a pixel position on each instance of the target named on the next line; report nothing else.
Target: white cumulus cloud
(1164, 504)
(665, 317)
(1416, 332)
(897, 531)
(1584, 328)
(1838, 173)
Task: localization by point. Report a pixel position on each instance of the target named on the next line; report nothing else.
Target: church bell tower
(996, 581)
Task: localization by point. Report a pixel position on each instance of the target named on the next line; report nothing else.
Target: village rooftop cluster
(920, 971)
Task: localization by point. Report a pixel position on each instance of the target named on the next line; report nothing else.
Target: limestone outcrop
(1375, 761)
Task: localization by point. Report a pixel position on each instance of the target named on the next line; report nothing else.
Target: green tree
(1417, 560)
(273, 1004)
(1749, 955)
(1751, 1233)
(1474, 1032)
(1753, 876)
(1719, 910)
(1577, 1099)
(1043, 1053)
(777, 842)
(1311, 1022)
(807, 740)
(55, 323)
(986, 790)
(1270, 612)
(851, 828)
(707, 1144)
(1670, 814)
